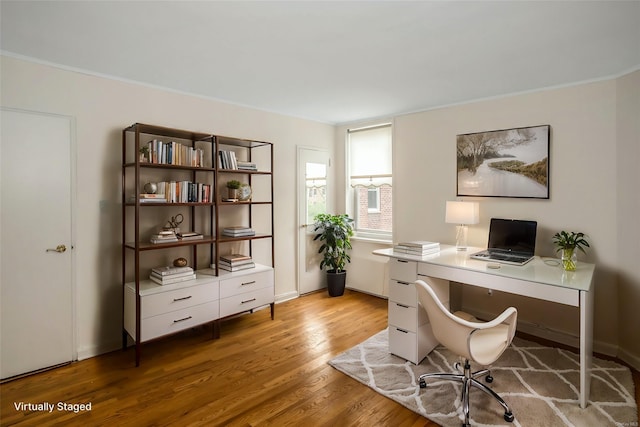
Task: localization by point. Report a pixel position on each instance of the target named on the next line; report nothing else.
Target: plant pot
(336, 282)
(233, 193)
(569, 259)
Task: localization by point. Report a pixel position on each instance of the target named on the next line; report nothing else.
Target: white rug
(539, 383)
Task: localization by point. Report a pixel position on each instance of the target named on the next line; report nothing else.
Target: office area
(594, 148)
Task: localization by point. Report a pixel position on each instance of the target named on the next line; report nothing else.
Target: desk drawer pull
(403, 283)
(402, 260)
(402, 305)
(249, 300)
(402, 330)
(181, 299)
(248, 283)
(182, 320)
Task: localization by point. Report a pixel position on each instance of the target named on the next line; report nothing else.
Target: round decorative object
(180, 262)
(150, 188)
(245, 193)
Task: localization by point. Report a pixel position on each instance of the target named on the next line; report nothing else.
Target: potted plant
(334, 231)
(232, 187)
(567, 243)
(144, 154)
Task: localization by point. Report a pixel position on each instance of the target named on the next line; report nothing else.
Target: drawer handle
(248, 283)
(181, 299)
(404, 283)
(402, 260)
(182, 320)
(402, 330)
(402, 305)
(249, 300)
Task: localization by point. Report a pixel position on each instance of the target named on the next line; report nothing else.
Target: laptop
(511, 241)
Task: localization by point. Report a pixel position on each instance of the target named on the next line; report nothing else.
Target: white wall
(628, 233)
(102, 108)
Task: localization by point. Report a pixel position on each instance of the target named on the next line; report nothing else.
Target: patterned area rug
(539, 383)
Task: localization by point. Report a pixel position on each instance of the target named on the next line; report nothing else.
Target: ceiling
(332, 61)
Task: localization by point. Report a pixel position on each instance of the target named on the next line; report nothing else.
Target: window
(369, 187)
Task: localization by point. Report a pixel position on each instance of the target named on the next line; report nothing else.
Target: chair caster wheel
(508, 416)
(423, 384)
(489, 379)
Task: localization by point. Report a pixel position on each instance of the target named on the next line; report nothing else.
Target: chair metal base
(469, 379)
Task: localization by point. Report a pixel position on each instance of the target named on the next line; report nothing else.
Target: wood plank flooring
(260, 372)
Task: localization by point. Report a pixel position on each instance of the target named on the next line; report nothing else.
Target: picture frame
(504, 163)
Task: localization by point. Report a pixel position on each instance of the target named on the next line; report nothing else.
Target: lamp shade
(462, 213)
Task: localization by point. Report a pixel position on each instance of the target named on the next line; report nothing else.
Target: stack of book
(246, 166)
(149, 198)
(228, 159)
(235, 262)
(238, 231)
(170, 275)
(189, 235)
(164, 236)
(418, 248)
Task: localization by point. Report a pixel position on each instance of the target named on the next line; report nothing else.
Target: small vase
(569, 259)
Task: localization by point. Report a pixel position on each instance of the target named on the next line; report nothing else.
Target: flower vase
(569, 259)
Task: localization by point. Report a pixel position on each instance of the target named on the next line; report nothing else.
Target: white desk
(535, 279)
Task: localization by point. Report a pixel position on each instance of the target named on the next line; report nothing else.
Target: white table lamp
(462, 214)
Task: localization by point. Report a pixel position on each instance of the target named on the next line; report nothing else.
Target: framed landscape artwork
(504, 163)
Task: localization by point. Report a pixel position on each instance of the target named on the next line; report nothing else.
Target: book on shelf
(227, 267)
(164, 236)
(189, 235)
(180, 192)
(235, 258)
(238, 231)
(171, 270)
(249, 166)
(171, 279)
(174, 153)
(228, 159)
(171, 276)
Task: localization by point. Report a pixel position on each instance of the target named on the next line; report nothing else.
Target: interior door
(313, 198)
(36, 311)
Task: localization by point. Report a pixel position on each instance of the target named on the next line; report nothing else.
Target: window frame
(351, 193)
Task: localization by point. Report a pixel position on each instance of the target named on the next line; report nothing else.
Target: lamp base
(461, 237)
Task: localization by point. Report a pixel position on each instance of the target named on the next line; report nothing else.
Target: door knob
(59, 249)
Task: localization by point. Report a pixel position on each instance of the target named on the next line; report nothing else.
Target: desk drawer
(403, 292)
(404, 271)
(403, 343)
(175, 321)
(164, 302)
(402, 316)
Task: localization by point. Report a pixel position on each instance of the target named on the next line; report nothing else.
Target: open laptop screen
(513, 235)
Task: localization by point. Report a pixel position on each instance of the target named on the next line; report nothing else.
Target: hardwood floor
(260, 372)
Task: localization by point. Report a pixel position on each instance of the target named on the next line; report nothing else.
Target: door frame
(73, 150)
(330, 202)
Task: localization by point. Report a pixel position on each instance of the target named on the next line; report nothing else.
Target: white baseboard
(97, 350)
(286, 296)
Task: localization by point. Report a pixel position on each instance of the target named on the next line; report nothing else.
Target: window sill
(377, 240)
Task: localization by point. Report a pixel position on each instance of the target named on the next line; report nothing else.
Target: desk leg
(586, 345)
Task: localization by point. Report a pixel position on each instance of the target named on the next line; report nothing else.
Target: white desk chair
(463, 334)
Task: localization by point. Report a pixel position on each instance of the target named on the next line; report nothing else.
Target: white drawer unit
(410, 334)
(168, 309)
(246, 290)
